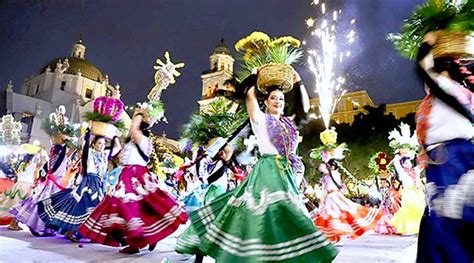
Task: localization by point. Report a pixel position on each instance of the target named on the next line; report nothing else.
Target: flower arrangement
(379, 163)
(403, 141)
(446, 15)
(329, 150)
(259, 49)
(58, 124)
(153, 111)
(328, 137)
(109, 106)
(107, 110)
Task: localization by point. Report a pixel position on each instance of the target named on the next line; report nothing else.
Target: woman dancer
(138, 213)
(66, 210)
(407, 219)
(22, 188)
(246, 224)
(338, 216)
(26, 211)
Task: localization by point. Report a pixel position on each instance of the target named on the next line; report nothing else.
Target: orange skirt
(338, 216)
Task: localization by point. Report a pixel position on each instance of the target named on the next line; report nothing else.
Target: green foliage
(53, 129)
(431, 16)
(95, 116)
(217, 121)
(285, 54)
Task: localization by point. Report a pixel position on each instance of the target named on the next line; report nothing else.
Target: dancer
(246, 224)
(407, 219)
(22, 188)
(26, 211)
(215, 175)
(337, 215)
(138, 213)
(444, 125)
(66, 210)
(379, 166)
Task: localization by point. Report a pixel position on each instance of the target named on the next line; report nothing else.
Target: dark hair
(272, 89)
(453, 67)
(403, 159)
(386, 180)
(144, 127)
(96, 138)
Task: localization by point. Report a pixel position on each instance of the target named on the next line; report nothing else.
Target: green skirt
(188, 242)
(264, 219)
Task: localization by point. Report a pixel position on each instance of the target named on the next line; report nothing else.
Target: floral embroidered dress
(264, 218)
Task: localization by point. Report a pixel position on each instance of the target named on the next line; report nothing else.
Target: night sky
(124, 38)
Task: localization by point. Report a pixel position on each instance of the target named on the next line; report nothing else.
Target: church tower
(221, 69)
(79, 50)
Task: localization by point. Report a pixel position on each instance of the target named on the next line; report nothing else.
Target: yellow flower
(286, 40)
(256, 40)
(328, 136)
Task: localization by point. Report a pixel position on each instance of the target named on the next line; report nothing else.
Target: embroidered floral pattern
(284, 136)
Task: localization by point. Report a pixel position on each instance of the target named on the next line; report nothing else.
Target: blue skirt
(447, 226)
(66, 210)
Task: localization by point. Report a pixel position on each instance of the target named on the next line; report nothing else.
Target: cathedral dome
(87, 69)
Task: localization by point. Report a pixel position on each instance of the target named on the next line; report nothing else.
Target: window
(89, 93)
(63, 85)
(37, 89)
(222, 66)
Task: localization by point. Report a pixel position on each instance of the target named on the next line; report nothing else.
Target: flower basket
(453, 44)
(103, 129)
(276, 74)
(57, 139)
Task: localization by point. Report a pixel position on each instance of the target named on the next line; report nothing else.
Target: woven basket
(453, 44)
(57, 139)
(103, 129)
(275, 74)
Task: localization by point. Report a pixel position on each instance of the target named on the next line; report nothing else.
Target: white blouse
(259, 128)
(130, 154)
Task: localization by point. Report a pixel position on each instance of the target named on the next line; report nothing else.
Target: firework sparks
(310, 22)
(323, 61)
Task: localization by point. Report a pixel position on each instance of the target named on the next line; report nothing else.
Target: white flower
(52, 117)
(62, 109)
(84, 125)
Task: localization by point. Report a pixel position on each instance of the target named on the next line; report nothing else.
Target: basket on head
(453, 44)
(276, 74)
(57, 139)
(103, 129)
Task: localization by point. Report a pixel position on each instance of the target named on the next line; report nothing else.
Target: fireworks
(324, 60)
